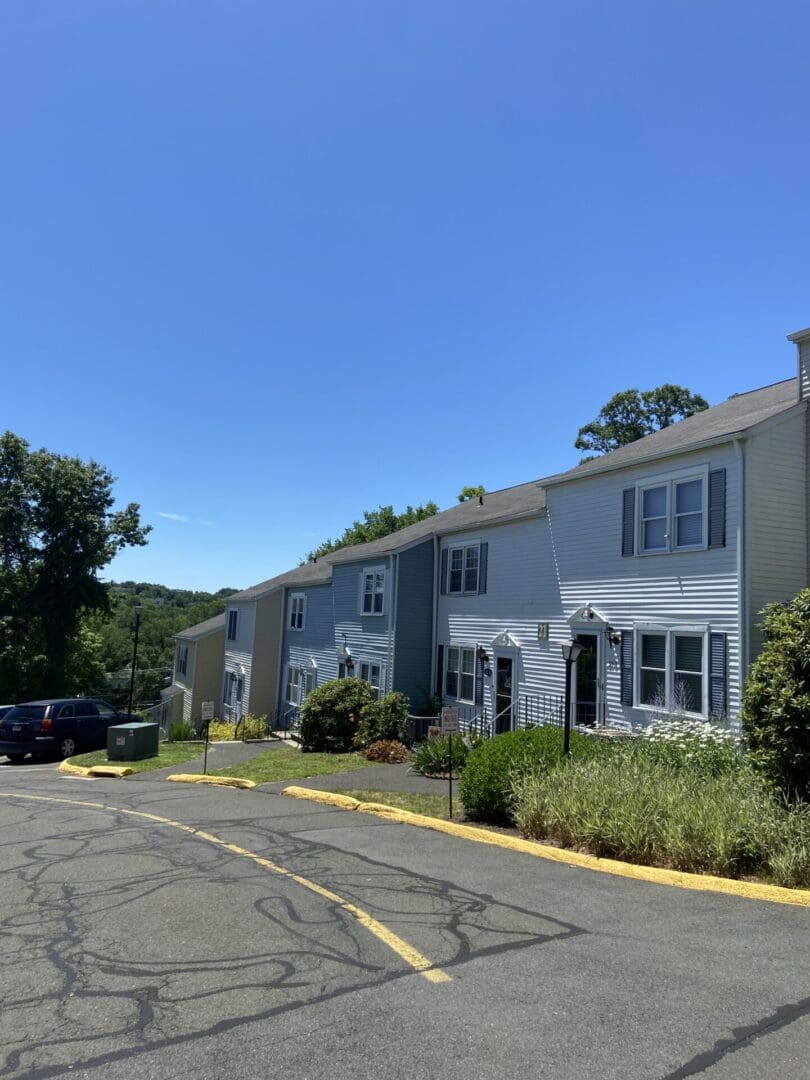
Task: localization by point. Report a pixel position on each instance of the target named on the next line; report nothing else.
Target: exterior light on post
(138, 613)
(570, 651)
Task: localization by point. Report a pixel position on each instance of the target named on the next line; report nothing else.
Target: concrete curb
(73, 770)
(216, 781)
(747, 890)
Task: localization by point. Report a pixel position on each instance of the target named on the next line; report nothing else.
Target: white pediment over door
(505, 641)
(588, 616)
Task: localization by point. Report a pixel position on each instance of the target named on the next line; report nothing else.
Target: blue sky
(278, 263)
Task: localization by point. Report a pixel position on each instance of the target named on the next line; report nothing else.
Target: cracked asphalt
(137, 948)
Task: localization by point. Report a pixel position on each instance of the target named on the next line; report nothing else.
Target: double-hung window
(672, 515)
(459, 680)
(182, 659)
(233, 624)
(462, 569)
(372, 598)
(298, 603)
(672, 670)
(371, 673)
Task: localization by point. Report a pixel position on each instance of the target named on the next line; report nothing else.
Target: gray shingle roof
(203, 629)
(309, 574)
(732, 417)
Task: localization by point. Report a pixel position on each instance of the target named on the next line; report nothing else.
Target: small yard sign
(449, 721)
(208, 711)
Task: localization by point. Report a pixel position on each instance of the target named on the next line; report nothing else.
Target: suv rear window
(25, 712)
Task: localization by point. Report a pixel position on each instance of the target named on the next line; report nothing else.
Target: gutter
(393, 628)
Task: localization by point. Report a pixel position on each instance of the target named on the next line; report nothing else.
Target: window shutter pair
(718, 673)
(717, 514)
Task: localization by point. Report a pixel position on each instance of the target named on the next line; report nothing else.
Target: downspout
(742, 581)
(394, 561)
(435, 631)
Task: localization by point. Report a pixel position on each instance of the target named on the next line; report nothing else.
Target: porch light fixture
(570, 652)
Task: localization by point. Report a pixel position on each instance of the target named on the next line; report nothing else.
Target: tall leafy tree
(375, 524)
(632, 414)
(57, 530)
(471, 492)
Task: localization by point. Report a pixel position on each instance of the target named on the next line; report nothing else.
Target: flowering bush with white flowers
(698, 745)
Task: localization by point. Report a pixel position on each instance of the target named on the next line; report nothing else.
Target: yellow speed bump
(217, 781)
(114, 771)
(73, 770)
(748, 890)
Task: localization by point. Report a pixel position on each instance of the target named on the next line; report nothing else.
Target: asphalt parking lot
(160, 930)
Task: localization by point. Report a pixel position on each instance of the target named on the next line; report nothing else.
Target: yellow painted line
(415, 959)
(747, 890)
(217, 781)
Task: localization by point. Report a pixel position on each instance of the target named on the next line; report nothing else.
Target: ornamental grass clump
(432, 757)
(625, 805)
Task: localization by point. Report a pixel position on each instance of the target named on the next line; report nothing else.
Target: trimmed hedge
(486, 783)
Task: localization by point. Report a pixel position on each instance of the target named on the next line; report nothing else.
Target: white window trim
(669, 480)
(294, 598)
(235, 637)
(463, 548)
(462, 647)
(371, 662)
(372, 571)
(670, 632)
(182, 659)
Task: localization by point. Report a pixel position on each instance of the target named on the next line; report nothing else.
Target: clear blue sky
(277, 263)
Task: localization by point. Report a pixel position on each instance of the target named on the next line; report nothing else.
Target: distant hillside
(165, 612)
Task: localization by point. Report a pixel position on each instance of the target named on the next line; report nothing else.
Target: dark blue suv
(59, 727)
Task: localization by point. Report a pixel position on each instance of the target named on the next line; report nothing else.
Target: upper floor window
(233, 624)
(672, 515)
(372, 600)
(182, 659)
(464, 569)
(298, 603)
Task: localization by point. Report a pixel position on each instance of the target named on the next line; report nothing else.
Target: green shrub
(180, 731)
(252, 727)
(388, 750)
(624, 805)
(776, 701)
(331, 714)
(386, 719)
(486, 786)
(432, 757)
(676, 742)
(221, 731)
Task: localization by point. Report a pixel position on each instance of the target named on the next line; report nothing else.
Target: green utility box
(131, 742)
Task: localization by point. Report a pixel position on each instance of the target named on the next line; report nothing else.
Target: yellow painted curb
(748, 890)
(114, 771)
(74, 770)
(217, 781)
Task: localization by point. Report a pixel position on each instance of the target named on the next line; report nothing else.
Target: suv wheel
(67, 746)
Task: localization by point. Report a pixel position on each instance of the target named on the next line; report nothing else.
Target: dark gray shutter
(718, 680)
(628, 521)
(440, 672)
(627, 667)
(443, 574)
(479, 680)
(717, 508)
(482, 571)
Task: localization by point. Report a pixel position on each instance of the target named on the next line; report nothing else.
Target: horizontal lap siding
(700, 587)
(266, 654)
(776, 482)
(414, 622)
(522, 590)
(315, 642)
(207, 676)
(239, 653)
(367, 637)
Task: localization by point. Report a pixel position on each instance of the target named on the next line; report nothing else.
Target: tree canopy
(470, 492)
(632, 414)
(375, 524)
(57, 530)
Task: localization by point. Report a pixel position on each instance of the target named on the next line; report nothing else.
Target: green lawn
(287, 764)
(170, 754)
(437, 806)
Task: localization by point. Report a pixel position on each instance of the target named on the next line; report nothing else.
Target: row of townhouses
(657, 559)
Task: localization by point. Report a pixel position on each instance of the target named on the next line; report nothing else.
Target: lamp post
(570, 651)
(138, 612)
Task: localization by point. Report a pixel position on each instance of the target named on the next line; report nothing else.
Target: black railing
(535, 710)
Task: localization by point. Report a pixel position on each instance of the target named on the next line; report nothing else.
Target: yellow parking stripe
(411, 956)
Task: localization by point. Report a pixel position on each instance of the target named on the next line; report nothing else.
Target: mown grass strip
(283, 763)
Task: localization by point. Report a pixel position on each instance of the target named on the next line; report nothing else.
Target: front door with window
(504, 702)
(586, 681)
